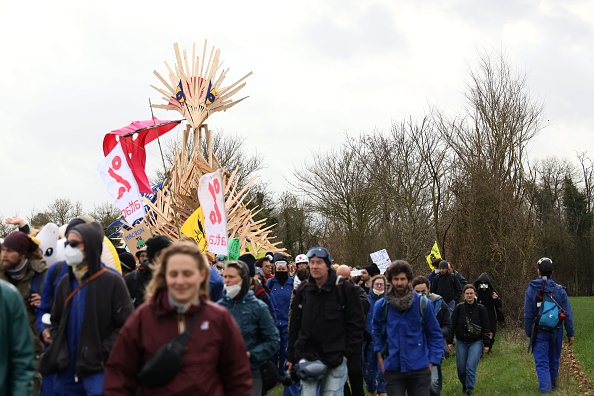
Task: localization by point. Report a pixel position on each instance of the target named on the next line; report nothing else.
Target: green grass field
(584, 336)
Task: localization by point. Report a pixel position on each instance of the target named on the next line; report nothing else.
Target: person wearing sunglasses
(91, 306)
(325, 327)
(488, 297)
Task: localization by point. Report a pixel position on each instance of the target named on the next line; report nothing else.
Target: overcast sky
(71, 71)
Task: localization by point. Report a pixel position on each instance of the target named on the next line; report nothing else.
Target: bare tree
(338, 187)
(106, 214)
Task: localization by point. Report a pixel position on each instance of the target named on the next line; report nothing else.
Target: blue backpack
(550, 313)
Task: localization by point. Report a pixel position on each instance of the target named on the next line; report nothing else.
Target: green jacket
(16, 345)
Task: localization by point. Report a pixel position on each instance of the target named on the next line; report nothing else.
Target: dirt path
(571, 364)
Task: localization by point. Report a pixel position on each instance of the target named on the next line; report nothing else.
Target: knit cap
(20, 243)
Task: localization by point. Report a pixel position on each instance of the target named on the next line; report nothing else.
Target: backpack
(550, 313)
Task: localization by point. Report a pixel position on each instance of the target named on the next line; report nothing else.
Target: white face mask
(378, 292)
(73, 256)
(232, 290)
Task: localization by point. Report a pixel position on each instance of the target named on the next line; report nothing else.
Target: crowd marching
(174, 323)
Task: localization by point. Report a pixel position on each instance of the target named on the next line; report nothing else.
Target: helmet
(302, 258)
(311, 370)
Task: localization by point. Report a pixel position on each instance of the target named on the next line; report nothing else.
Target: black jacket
(107, 305)
(137, 281)
(485, 297)
(447, 286)
(477, 315)
(320, 327)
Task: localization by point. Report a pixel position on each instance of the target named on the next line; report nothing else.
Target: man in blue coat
(406, 334)
(546, 344)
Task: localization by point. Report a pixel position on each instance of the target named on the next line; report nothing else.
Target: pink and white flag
(212, 201)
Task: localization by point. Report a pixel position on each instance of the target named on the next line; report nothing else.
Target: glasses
(73, 244)
(483, 286)
(280, 262)
(380, 284)
(318, 252)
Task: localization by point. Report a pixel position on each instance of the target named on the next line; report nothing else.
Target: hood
(550, 285)
(245, 281)
(483, 278)
(92, 235)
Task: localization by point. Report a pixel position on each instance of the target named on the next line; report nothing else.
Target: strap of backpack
(86, 282)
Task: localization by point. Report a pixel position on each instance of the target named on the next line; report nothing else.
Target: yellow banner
(433, 255)
(194, 228)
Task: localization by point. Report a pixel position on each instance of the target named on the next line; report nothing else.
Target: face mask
(378, 292)
(232, 290)
(73, 256)
(282, 276)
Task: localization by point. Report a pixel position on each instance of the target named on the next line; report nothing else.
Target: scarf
(401, 303)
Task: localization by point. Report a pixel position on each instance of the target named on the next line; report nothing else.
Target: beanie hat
(20, 242)
(127, 260)
(155, 244)
(372, 270)
(250, 260)
(322, 253)
(280, 257)
(443, 264)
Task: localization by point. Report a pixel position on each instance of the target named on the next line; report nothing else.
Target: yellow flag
(433, 255)
(194, 228)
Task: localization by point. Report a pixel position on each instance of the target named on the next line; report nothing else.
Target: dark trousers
(356, 385)
(414, 383)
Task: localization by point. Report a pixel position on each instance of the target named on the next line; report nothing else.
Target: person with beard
(374, 380)
(137, 281)
(281, 288)
(92, 303)
(405, 324)
(23, 266)
(326, 324)
(366, 274)
(301, 262)
(259, 332)
(487, 296)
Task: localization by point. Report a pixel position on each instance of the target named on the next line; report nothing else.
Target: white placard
(121, 185)
(381, 258)
(212, 201)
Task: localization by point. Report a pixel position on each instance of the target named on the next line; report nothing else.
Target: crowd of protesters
(171, 320)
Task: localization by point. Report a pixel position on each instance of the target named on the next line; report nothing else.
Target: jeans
(256, 382)
(547, 352)
(413, 383)
(281, 356)
(374, 379)
(436, 381)
(451, 306)
(65, 385)
(468, 355)
(331, 384)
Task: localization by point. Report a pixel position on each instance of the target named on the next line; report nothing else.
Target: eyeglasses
(72, 243)
(378, 284)
(318, 252)
(280, 262)
(483, 286)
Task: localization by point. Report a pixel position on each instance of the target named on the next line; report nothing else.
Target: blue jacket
(215, 285)
(282, 299)
(559, 294)
(373, 298)
(261, 336)
(412, 345)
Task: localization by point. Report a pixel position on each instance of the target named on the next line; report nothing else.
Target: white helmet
(301, 258)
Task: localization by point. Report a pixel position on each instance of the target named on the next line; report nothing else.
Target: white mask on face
(73, 256)
(378, 292)
(232, 290)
